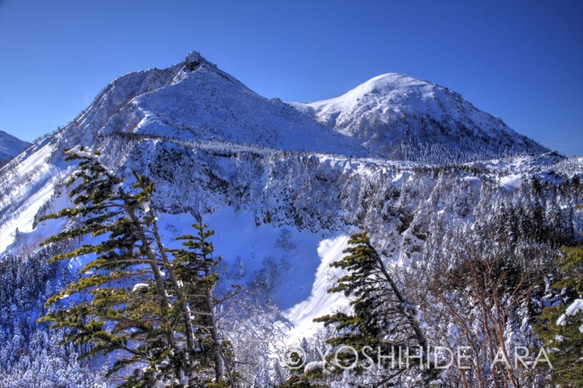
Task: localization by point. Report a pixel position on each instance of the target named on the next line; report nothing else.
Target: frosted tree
(479, 299)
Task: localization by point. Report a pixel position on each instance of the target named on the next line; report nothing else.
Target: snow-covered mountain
(283, 185)
(140, 118)
(197, 102)
(391, 116)
(401, 117)
(10, 146)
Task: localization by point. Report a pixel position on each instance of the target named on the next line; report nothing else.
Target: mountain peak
(395, 80)
(402, 117)
(193, 57)
(196, 101)
(193, 60)
(386, 88)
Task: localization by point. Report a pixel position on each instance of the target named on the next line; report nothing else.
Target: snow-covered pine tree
(384, 325)
(119, 304)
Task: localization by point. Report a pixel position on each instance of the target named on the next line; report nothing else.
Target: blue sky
(519, 60)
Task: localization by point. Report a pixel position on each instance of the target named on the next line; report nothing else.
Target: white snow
(511, 182)
(140, 287)
(573, 309)
(320, 302)
(40, 179)
(246, 247)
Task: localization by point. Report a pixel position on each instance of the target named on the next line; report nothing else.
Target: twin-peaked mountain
(401, 117)
(392, 116)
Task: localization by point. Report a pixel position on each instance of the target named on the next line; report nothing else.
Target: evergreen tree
(383, 324)
(560, 326)
(132, 301)
(197, 269)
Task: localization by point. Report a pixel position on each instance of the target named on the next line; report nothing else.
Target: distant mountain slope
(402, 117)
(10, 146)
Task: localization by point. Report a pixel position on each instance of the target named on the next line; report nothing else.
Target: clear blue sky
(519, 60)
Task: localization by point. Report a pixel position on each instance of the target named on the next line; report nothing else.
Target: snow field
(302, 262)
